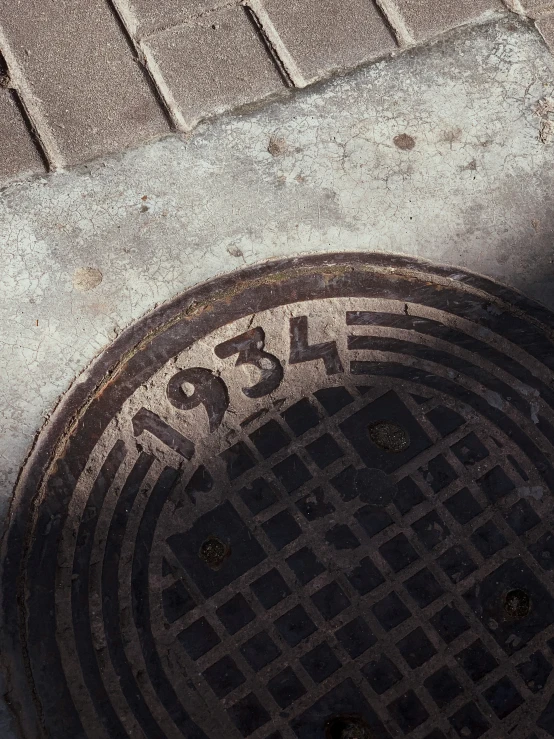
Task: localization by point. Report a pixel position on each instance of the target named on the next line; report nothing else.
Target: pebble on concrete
(87, 278)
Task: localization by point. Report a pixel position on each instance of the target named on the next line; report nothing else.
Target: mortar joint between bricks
(277, 48)
(130, 25)
(395, 19)
(39, 129)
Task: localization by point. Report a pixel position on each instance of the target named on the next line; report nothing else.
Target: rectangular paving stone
(538, 6)
(18, 153)
(165, 13)
(91, 91)
(215, 63)
(426, 18)
(323, 35)
(546, 27)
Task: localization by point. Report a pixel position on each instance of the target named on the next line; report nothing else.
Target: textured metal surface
(314, 500)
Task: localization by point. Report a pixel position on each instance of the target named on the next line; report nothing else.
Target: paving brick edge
(44, 140)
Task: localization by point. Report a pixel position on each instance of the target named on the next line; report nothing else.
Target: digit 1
(145, 420)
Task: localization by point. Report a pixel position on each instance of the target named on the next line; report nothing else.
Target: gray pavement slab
(165, 13)
(426, 18)
(323, 36)
(215, 62)
(80, 75)
(19, 153)
(546, 27)
(124, 72)
(537, 6)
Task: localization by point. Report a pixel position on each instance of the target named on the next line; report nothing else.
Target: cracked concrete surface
(436, 153)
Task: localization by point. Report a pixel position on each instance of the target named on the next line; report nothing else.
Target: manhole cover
(312, 500)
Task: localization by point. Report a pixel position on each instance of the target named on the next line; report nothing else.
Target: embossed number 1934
(211, 391)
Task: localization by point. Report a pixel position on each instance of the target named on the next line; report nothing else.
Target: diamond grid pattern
(321, 629)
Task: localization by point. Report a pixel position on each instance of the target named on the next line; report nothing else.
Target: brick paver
(323, 35)
(164, 13)
(98, 77)
(426, 18)
(215, 62)
(538, 6)
(546, 27)
(88, 88)
(17, 150)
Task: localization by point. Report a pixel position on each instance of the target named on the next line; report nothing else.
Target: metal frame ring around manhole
(312, 497)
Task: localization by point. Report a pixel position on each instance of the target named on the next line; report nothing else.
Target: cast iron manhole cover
(312, 500)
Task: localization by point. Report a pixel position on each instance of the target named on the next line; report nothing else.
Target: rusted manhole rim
(150, 470)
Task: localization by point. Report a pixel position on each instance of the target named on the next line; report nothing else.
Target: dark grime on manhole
(313, 500)
(389, 436)
(347, 727)
(517, 604)
(213, 552)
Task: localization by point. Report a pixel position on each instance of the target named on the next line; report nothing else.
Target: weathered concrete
(320, 172)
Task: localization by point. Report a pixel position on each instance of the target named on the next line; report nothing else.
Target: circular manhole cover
(311, 500)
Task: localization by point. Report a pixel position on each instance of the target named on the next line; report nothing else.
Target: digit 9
(208, 390)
